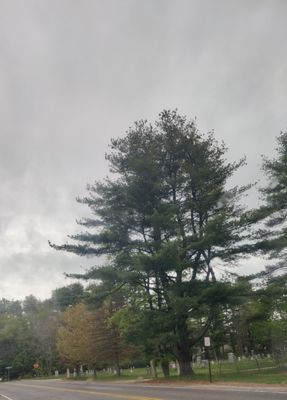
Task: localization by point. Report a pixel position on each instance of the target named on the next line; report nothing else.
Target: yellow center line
(94, 392)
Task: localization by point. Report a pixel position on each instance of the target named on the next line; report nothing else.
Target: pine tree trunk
(185, 367)
(165, 368)
(118, 369)
(182, 350)
(153, 368)
(184, 359)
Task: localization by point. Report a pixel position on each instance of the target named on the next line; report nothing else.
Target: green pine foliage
(272, 238)
(163, 221)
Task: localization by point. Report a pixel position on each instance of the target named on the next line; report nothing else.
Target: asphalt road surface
(63, 390)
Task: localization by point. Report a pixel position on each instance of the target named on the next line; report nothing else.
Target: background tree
(271, 330)
(92, 338)
(74, 339)
(17, 343)
(43, 321)
(66, 296)
(111, 348)
(164, 221)
(272, 239)
(28, 335)
(10, 307)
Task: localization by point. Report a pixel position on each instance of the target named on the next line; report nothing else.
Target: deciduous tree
(74, 339)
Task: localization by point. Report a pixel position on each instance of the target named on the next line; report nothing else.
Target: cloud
(74, 74)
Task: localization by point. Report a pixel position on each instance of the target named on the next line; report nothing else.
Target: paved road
(62, 390)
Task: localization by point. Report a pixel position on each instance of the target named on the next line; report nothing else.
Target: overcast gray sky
(75, 73)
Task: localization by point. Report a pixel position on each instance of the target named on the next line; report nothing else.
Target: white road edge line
(5, 397)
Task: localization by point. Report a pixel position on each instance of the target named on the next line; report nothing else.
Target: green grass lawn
(248, 371)
(264, 371)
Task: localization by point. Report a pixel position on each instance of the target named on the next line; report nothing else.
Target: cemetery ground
(256, 371)
(253, 379)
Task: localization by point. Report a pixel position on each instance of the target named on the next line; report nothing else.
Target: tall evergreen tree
(163, 222)
(273, 237)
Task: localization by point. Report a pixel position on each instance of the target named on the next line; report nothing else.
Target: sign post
(207, 346)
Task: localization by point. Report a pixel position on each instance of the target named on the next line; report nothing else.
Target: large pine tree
(272, 239)
(163, 222)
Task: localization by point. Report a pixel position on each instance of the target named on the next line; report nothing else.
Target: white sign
(207, 341)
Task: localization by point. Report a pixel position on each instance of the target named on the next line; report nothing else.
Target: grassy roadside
(248, 371)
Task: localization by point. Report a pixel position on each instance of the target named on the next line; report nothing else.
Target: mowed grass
(249, 371)
(263, 371)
